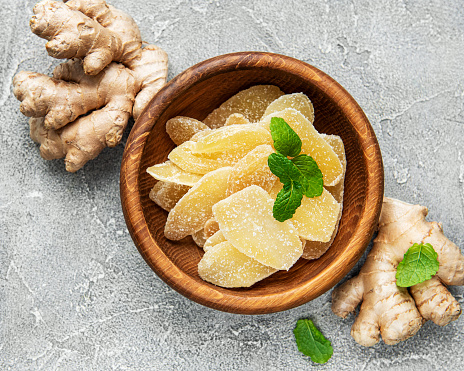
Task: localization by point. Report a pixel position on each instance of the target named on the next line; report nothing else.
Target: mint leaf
(286, 141)
(311, 176)
(311, 342)
(287, 201)
(283, 168)
(419, 264)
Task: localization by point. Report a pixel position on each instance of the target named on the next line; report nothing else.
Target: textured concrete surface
(74, 292)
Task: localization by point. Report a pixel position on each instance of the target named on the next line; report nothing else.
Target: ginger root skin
(85, 107)
(393, 312)
(81, 138)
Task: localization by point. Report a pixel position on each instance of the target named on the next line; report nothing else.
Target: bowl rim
(182, 282)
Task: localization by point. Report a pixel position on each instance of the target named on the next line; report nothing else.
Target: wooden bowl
(195, 93)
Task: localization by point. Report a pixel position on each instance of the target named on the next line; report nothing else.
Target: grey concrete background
(74, 292)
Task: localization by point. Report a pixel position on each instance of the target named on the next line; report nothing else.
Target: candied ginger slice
(337, 145)
(298, 101)
(252, 169)
(251, 103)
(169, 172)
(196, 137)
(199, 238)
(183, 157)
(195, 208)
(211, 227)
(166, 195)
(216, 238)
(202, 163)
(181, 128)
(316, 218)
(232, 138)
(245, 218)
(315, 249)
(223, 265)
(312, 144)
(236, 119)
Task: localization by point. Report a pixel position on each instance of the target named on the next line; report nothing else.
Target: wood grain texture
(195, 93)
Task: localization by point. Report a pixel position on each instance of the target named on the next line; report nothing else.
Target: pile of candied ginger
(218, 188)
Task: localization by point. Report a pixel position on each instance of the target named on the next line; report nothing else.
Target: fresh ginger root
(390, 310)
(96, 36)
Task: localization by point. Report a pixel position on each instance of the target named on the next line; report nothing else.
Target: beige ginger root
(96, 35)
(69, 94)
(387, 309)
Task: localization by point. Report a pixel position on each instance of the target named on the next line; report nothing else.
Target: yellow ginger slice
(252, 169)
(199, 135)
(199, 238)
(202, 163)
(312, 144)
(245, 218)
(315, 249)
(232, 138)
(169, 172)
(166, 195)
(216, 238)
(195, 208)
(251, 103)
(181, 128)
(316, 218)
(337, 145)
(211, 227)
(223, 265)
(236, 119)
(298, 101)
(183, 157)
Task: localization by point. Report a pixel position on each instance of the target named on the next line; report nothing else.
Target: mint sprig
(419, 264)
(311, 342)
(299, 175)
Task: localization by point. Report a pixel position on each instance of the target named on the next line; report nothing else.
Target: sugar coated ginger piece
(169, 172)
(315, 249)
(166, 194)
(387, 309)
(195, 208)
(223, 265)
(213, 240)
(337, 145)
(251, 103)
(316, 218)
(233, 138)
(183, 157)
(202, 163)
(246, 220)
(199, 238)
(236, 119)
(196, 137)
(312, 144)
(180, 129)
(298, 101)
(211, 227)
(252, 170)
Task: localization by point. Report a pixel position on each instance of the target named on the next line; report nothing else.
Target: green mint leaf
(283, 168)
(310, 175)
(419, 264)
(287, 201)
(286, 141)
(311, 342)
